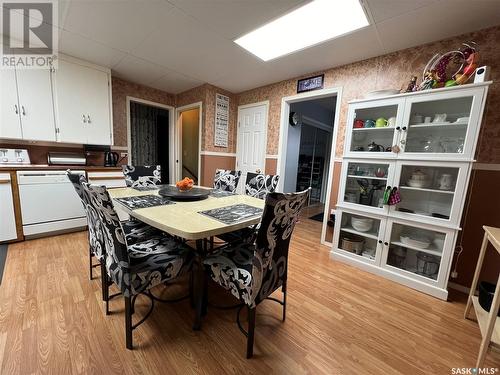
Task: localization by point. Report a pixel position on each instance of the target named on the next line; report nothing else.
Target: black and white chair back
(259, 185)
(142, 176)
(226, 180)
(95, 235)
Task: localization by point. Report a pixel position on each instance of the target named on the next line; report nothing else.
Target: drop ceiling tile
(121, 24)
(175, 83)
(230, 18)
(86, 49)
(385, 9)
(461, 17)
(138, 70)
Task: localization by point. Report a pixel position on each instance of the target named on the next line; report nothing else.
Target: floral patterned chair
(142, 176)
(134, 230)
(253, 270)
(259, 185)
(226, 180)
(135, 268)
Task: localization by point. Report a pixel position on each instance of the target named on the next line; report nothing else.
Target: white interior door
(36, 105)
(10, 123)
(251, 142)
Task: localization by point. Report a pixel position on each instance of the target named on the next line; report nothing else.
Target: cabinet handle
(24, 111)
(404, 128)
(84, 119)
(379, 241)
(386, 243)
(15, 109)
(398, 127)
(88, 119)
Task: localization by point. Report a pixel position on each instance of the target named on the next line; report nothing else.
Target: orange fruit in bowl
(185, 184)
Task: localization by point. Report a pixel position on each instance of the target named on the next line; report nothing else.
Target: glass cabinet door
(430, 191)
(417, 251)
(441, 124)
(365, 183)
(372, 128)
(358, 235)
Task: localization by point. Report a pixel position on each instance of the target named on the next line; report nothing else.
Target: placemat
(221, 193)
(146, 188)
(233, 214)
(144, 201)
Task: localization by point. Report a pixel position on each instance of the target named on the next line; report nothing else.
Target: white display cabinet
(426, 152)
(436, 124)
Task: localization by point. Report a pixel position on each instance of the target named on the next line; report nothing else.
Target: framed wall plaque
(311, 83)
(221, 130)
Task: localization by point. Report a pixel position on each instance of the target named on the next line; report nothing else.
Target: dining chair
(134, 230)
(253, 270)
(142, 175)
(135, 268)
(226, 180)
(259, 185)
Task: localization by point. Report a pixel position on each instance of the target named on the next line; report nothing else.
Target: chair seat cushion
(231, 267)
(156, 260)
(136, 231)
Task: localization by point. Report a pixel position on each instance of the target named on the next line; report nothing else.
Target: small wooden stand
(489, 323)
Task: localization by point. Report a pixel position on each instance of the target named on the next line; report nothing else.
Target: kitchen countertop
(88, 168)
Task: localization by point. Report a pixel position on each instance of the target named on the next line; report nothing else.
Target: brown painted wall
(271, 166)
(209, 163)
(121, 89)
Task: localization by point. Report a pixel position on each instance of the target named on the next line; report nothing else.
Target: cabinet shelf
(366, 177)
(372, 235)
(428, 251)
(428, 190)
(371, 129)
(440, 125)
(482, 319)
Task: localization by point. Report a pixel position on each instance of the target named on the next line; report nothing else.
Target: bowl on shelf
(418, 183)
(486, 293)
(361, 224)
(354, 244)
(420, 242)
(439, 242)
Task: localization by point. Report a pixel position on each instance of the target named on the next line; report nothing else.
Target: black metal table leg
(199, 280)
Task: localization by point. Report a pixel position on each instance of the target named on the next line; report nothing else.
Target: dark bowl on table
(486, 292)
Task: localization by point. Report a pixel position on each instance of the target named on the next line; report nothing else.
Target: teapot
(375, 147)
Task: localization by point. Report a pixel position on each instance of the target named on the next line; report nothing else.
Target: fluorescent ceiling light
(304, 27)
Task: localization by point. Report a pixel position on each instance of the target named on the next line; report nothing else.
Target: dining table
(191, 220)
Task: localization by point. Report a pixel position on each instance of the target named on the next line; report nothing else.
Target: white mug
(440, 117)
(391, 121)
(445, 181)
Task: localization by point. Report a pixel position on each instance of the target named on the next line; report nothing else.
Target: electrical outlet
(454, 274)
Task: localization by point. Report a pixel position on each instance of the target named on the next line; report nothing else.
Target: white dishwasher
(49, 203)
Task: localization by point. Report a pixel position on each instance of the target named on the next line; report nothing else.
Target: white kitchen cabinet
(36, 106)
(10, 121)
(83, 104)
(417, 130)
(8, 228)
(436, 133)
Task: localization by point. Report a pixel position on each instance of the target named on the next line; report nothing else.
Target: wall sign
(221, 120)
(311, 83)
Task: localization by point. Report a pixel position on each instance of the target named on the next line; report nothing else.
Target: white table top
(182, 218)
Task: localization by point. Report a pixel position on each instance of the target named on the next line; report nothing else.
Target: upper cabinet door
(36, 106)
(83, 104)
(70, 96)
(373, 127)
(10, 122)
(442, 125)
(98, 113)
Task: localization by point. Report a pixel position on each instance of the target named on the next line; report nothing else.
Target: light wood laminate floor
(340, 321)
